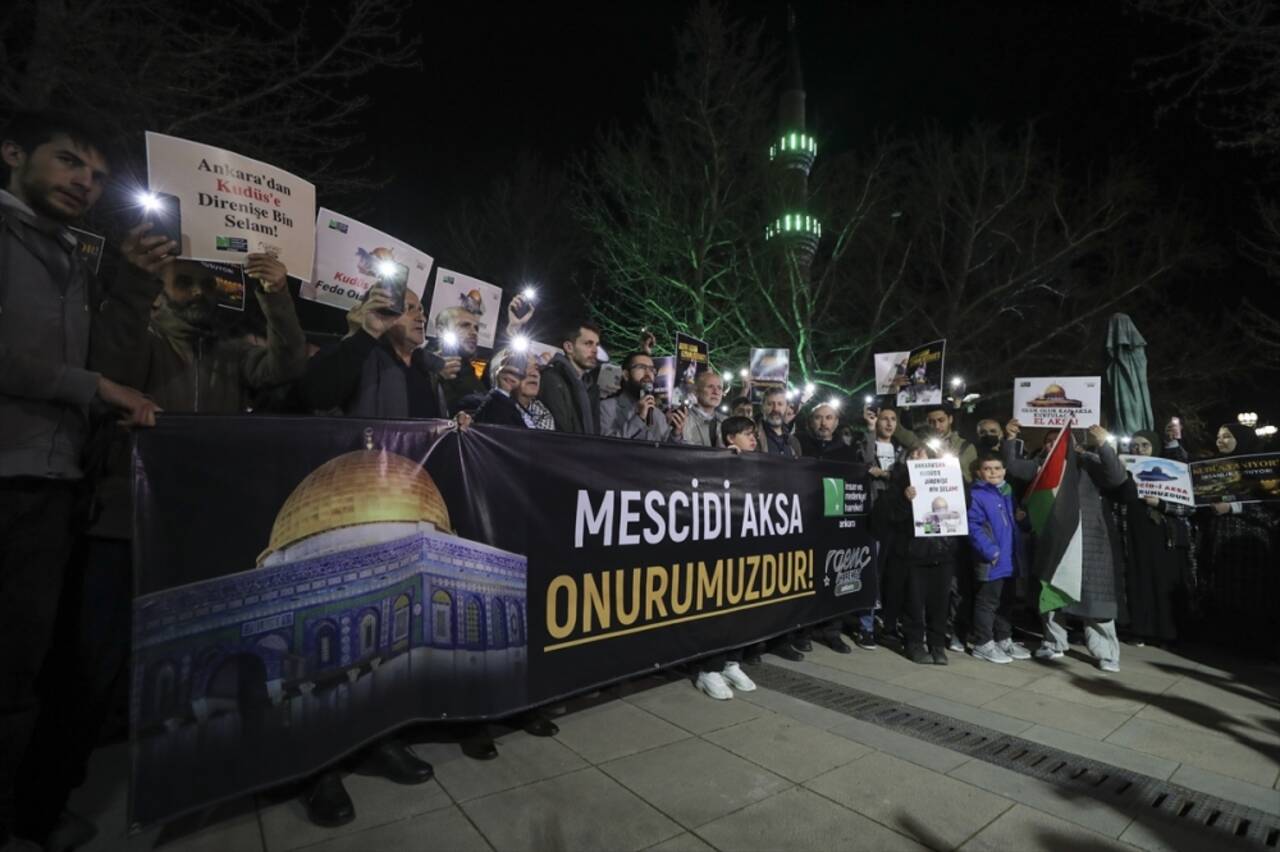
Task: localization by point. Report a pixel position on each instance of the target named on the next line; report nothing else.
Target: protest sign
(455, 290)
(691, 359)
(891, 372)
(1164, 479)
(231, 206)
(770, 367)
(543, 352)
(664, 382)
(228, 283)
(89, 245)
(365, 574)
(939, 506)
(348, 253)
(924, 375)
(1236, 479)
(1058, 401)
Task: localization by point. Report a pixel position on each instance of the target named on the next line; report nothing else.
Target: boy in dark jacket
(993, 536)
(926, 565)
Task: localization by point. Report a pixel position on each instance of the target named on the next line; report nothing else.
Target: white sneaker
(954, 644)
(991, 652)
(1112, 666)
(712, 683)
(737, 677)
(1048, 652)
(1014, 650)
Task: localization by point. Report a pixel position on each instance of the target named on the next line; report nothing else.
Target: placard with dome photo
(1058, 401)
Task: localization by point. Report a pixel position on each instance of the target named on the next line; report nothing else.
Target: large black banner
(306, 585)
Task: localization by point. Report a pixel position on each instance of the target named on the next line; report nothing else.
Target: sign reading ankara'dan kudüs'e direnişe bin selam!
(350, 258)
(1058, 401)
(939, 505)
(365, 574)
(232, 206)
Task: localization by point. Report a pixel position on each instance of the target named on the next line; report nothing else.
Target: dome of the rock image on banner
(363, 592)
(361, 487)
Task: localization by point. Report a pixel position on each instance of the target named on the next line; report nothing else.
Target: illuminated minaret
(792, 155)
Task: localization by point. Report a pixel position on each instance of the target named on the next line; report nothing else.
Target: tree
(268, 80)
(674, 207)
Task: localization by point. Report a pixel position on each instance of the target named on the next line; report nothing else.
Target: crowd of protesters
(78, 360)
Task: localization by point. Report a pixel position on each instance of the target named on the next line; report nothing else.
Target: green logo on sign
(832, 497)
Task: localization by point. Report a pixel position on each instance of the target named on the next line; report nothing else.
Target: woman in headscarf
(1237, 548)
(1157, 554)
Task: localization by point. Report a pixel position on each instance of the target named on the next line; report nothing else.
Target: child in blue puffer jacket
(994, 520)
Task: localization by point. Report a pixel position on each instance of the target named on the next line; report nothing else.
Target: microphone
(646, 389)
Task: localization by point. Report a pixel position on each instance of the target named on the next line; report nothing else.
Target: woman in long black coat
(1156, 555)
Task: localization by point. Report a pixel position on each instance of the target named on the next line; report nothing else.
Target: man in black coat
(567, 389)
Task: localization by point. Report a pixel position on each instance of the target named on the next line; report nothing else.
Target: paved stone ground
(656, 765)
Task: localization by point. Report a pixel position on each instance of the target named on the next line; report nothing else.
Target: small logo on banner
(832, 497)
(335, 225)
(844, 569)
(239, 244)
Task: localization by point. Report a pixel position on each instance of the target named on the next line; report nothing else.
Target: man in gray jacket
(702, 422)
(631, 414)
(48, 306)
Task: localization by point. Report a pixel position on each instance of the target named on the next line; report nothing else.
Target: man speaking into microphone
(631, 413)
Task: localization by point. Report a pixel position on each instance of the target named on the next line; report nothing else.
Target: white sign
(455, 290)
(231, 206)
(891, 372)
(347, 257)
(939, 507)
(1058, 401)
(1165, 479)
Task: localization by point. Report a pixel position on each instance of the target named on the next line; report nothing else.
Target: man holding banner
(57, 169)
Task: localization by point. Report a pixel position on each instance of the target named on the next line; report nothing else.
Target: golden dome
(361, 487)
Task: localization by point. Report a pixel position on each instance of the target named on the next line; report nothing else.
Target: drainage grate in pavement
(1124, 789)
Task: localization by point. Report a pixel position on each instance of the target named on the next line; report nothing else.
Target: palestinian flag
(1053, 504)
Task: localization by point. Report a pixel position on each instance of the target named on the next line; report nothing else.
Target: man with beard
(181, 355)
(49, 301)
(631, 414)
(458, 331)
(568, 388)
(772, 436)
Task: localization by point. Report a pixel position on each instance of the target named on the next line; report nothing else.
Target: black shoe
(751, 659)
(541, 726)
(393, 760)
(479, 747)
(802, 644)
(919, 654)
(838, 645)
(786, 652)
(865, 639)
(939, 656)
(328, 804)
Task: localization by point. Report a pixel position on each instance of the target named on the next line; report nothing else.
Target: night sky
(498, 79)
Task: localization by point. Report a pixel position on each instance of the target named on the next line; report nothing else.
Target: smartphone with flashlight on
(164, 212)
(393, 279)
(526, 303)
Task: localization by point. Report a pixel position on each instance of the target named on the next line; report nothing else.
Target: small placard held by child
(939, 505)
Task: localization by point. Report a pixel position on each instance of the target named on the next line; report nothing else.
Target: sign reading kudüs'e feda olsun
(939, 506)
(349, 255)
(1058, 401)
(364, 575)
(232, 206)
